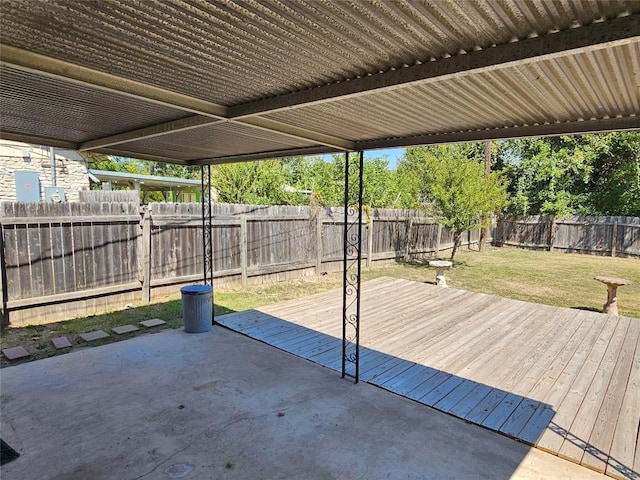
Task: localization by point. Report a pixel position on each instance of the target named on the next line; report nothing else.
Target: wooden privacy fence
(66, 260)
(614, 236)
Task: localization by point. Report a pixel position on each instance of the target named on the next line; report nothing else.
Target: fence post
(146, 256)
(552, 233)
(407, 243)
(370, 243)
(614, 237)
(318, 243)
(4, 319)
(438, 238)
(497, 235)
(243, 249)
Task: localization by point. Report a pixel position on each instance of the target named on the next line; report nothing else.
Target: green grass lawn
(559, 279)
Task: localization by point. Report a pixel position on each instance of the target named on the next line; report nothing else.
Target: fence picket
(614, 236)
(54, 253)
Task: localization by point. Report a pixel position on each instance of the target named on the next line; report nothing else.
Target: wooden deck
(566, 381)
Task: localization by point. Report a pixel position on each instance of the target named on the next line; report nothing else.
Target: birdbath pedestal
(441, 266)
(612, 292)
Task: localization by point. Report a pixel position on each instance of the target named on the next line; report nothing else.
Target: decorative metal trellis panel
(207, 234)
(353, 169)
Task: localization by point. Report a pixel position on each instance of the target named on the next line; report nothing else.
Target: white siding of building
(71, 169)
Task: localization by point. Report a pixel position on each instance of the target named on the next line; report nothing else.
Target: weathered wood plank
(525, 332)
(35, 260)
(520, 416)
(499, 415)
(435, 316)
(68, 259)
(452, 398)
(460, 350)
(59, 298)
(425, 386)
(583, 423)
(321, 345)
(371, 370)
(568, 400)
(622, 451)
(23, 260)
(636, 461)
(380, 378)
(603, 430)
(598, 235)
(467, 403)
(442, 390)
(537, 424)
(57, 244)
(410, 378)
(548, 354)
(558, 376)
(484, 408)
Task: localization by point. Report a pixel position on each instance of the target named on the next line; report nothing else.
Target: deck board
(602, 434)
(623, 448)
(570, 391)
(583, 424)
(566, 381)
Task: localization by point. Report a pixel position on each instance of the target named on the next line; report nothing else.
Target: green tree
(595, 174)
(614, 186)
(548, 176)
(173, 170)
(258, 183)
(453, 187)
(326, 180)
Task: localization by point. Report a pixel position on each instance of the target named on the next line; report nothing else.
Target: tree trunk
(456, 243)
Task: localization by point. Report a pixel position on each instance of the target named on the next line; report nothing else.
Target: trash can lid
(196, 289)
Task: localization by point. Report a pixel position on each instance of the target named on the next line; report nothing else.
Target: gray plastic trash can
(197, 301)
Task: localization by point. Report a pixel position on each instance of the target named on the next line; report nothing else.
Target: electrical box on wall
(27, 186)
(54, 194)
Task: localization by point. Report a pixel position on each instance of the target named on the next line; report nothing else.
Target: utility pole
(52, 159)
(487, 172)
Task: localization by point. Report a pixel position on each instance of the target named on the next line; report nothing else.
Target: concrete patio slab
(220, 405)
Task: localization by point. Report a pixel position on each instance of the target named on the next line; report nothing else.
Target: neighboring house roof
(147, 182)
(290, 189)
(21, 149)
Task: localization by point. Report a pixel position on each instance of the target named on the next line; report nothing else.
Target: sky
(392, 155)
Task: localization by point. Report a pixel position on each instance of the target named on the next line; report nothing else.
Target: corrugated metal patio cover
(206, 82)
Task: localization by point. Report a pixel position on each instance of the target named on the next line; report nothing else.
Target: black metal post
(352, 267)
(207, 233)
(4, 318)
(345, 265)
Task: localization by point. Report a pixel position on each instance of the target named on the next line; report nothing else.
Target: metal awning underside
(197, 82)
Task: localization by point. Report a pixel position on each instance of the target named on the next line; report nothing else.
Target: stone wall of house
(71, 169)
